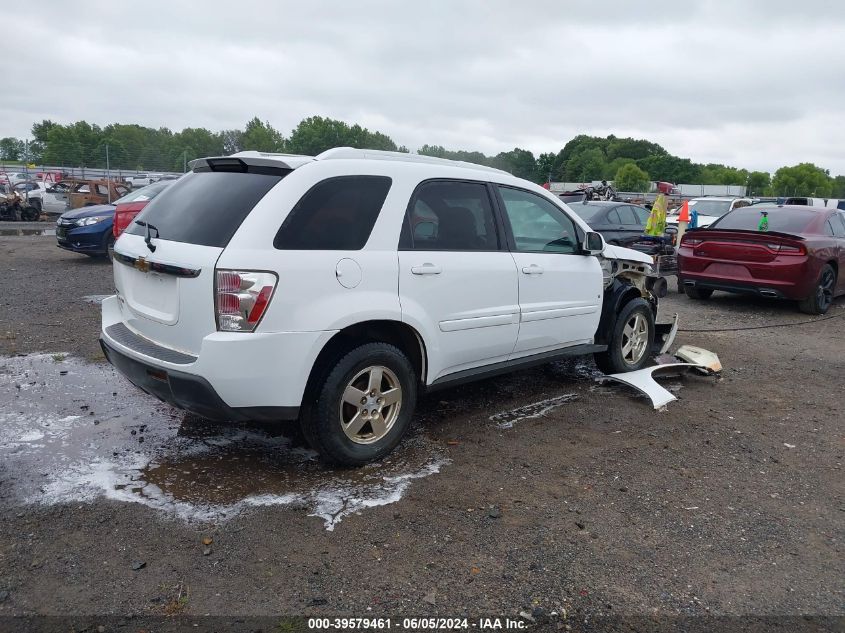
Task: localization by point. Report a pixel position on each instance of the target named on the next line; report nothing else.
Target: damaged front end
(629, 274)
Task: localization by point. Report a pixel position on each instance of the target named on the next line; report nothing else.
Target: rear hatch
(168, 292)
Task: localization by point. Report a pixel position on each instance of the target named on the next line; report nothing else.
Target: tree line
(630, 163)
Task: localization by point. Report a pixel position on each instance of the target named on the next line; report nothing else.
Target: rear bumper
(188, 391)
(762, 288)
(786, 278)
(234, 375)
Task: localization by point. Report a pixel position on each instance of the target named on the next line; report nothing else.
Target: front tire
(822, 297)
(363, 408)
(631, 341)
(30, 214)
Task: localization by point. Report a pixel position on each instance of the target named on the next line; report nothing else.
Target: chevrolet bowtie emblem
(142, 265)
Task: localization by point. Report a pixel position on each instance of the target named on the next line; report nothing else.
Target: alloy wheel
(634, 339)
(370, 404)
(825, 289)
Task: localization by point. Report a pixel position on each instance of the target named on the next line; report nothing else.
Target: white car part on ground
(643, 381)
(700, 356)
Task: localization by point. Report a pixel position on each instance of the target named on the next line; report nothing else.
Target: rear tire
(633, 337)
(699, 294)
(822, 297)
(363, 407)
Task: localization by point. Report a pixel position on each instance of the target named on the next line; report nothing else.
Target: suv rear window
(206, 207)
(337, 214)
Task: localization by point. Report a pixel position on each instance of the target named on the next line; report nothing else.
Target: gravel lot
(728, 502)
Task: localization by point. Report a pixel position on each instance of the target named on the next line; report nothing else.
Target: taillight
(241, 298)
(788, 249)
(690, 241)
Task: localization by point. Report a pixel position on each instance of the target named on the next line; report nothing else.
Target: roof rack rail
(373, 154)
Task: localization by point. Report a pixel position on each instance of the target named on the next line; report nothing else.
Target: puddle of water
(71, 432)
(5, 232)
(507, 419)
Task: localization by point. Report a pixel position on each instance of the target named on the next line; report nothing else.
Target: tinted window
(642, 215)
(451, 216)
(205, 208)
(828, 228)
(336, 214)
(586, 211)
(838, 221)
(780, 219)
(613, 217)
(144, 193)
(537, 224)
(628, 216)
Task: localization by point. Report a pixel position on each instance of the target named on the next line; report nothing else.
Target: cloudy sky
(751, 83)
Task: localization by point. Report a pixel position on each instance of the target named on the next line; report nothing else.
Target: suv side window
(337, 214)
(537, 224)
(613, 217)
(450, 216)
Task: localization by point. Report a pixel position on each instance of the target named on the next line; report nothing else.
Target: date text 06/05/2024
(416, 624)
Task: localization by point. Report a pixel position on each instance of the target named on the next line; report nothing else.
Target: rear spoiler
(705, 229)
(252, 162)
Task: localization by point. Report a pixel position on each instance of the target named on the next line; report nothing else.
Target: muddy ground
(730, 501)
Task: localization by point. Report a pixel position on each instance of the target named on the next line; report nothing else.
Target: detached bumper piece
(188, 391)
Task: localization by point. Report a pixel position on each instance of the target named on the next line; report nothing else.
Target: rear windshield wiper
(148, 238)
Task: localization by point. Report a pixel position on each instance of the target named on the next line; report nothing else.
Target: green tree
(838, 188)
(804, 179)
(262, 137)
(758, 183)
(11, 148)
(520, 162)
(317, 134)
(631, 178)
(233, 141)
(585, 166)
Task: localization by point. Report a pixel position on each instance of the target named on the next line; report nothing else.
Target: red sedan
(789, 252)
(130, 205)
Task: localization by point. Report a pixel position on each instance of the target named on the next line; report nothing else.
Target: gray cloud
(755, 84)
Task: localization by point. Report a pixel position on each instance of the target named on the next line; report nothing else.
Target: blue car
(87, 230)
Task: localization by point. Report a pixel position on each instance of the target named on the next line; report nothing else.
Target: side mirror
(593, 243)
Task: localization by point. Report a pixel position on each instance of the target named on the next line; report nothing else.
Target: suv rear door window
(451, 216)
(206, 207)
(337, 214)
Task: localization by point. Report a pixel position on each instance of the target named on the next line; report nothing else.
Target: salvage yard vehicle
(130, 205)
(618, 222)
(334, 289)
(38, 195)
(85, 193)
(87, 231)
(787, 252)
(711, 208)
(14, 207)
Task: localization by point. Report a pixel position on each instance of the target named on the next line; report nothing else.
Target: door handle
(533, 269)
(426, 269)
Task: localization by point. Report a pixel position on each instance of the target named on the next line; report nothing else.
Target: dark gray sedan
(620, 223)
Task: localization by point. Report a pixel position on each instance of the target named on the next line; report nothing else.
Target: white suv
(334, 289)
